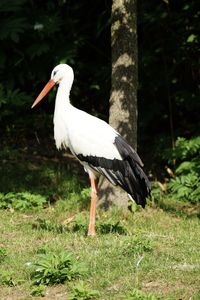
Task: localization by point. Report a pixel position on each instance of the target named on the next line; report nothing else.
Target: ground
(155, 250)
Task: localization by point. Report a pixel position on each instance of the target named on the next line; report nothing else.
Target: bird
(98, 147)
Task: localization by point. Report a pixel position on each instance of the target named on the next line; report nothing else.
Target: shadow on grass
(80, 225)
(56, 178)
(51, 178)
(179, 208)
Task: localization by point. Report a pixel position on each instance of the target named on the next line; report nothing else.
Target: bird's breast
(61, 132)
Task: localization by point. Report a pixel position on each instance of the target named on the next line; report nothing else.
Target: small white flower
(28, 263)
(38, 26)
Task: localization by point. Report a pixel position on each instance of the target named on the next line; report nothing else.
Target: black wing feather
(127, 173)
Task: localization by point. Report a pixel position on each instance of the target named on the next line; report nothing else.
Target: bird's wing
(90, 136)
(100, 148)
(125, 172)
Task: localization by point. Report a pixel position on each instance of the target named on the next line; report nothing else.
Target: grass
(149, 254)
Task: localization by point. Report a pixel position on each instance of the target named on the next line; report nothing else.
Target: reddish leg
(91, 227)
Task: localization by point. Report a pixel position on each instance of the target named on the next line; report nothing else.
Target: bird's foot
(91, 232)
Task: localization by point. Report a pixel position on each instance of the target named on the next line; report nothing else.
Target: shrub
(186, 183)
(52, 268)
(186, 187)
(186, 149)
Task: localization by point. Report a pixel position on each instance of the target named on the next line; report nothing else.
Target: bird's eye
(54, 73)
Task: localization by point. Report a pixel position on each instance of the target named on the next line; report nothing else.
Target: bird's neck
(61, 114)
(62, 96)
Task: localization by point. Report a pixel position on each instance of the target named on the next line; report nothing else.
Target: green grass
(149, 254)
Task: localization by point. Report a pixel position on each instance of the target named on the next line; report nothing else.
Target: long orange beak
(43, 93)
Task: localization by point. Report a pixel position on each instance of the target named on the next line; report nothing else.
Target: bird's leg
(91, 227)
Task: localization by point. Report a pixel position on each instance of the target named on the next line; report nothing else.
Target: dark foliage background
(37, 35)
(169, 72)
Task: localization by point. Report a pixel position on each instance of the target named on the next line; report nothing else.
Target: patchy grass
(149, 254)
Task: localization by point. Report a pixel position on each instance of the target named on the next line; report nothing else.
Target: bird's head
(62, 72)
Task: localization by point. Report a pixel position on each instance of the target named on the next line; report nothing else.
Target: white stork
(98, 147)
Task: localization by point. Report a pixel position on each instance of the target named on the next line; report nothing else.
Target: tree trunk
(123, 98)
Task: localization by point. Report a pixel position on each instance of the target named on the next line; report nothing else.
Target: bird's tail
(134, 181)
(138, 185)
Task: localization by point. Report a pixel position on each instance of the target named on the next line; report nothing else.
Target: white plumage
(95, 143)
(85, 134)
(76, 129)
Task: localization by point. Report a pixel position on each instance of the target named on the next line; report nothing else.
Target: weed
(6, 278)
(52, 268)
(38, 290)
(21, 201)
(80, 224)
(111, 227)
(157, 192)
(84, 197)
(133, 207)
(49, 226)
(2, 254)
(139, 295)
(82, 292)
(137, 245)
(196, 296)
